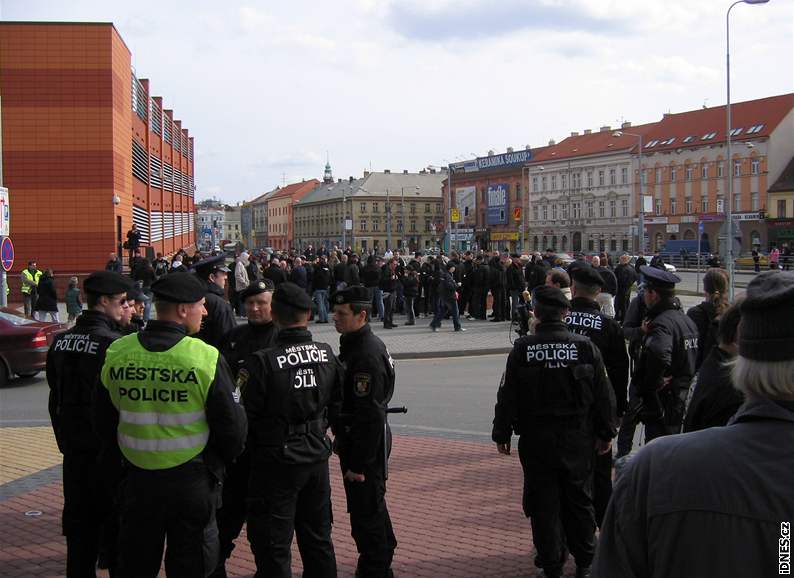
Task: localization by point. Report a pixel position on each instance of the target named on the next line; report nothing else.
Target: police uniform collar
(215, 288)
(293, 335)
(260, 326)
(583, 303)
(358, 333)
(93, 317)
(661, 307)
(164, 327)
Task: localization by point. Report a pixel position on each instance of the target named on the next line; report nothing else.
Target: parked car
(667, 266)
(24, 344)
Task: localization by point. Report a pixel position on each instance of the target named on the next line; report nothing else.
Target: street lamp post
(402, 213)
(728, 129)
(641, 240)
(388, 222)
(344, 220)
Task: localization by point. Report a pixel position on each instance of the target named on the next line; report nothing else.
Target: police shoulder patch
(361, 384)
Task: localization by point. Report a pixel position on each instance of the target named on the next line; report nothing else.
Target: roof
(596, 143)
(376, 184)
(785, 181)
(264, 196)
(295, 190)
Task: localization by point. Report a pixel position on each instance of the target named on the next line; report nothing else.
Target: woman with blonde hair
(706, 315)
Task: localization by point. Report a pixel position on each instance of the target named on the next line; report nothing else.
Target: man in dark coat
(498, 284)
(275, 273)
(220, 316)
(626, 276)
(718, 502)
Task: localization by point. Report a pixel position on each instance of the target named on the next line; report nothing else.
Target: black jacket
(275, 273)
(288, 392)
(368, 388)
(626, 277)
(370, 277)
(610, 280)
(705, 317)
(515, 278)
(47, 297)
(298, 276)
(388, 280)
(708, 503)
(714, 400)
(410, 286)
(244, 340)
(220, 317)
(225, 415)
(497, 278)
(74, 363)
(555, 382)
(340, 270)
(447, 287)
(586, 319)
(321, 278)
(352, 274)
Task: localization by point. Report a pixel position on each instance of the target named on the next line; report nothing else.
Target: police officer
(555, 394)
(667, 358)
(136, 302)
(169, 404)
(287, 391)
(363, 438)
(220, 316)
(586, 318)
(73, 365)
(259, 333)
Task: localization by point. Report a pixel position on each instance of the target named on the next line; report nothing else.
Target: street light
(641, 243)
(728, 206)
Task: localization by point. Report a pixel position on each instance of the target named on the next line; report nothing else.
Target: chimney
(528, 148)
(509, 149)
(587, 131)
(626, 124)
(574, 134)
(339, 181)
(432, 171)
(405, 172)
(366, 174)
(490, 153)
(552, 142)
(605, 129)
(350, 179)
(667, 115)
(386, 172)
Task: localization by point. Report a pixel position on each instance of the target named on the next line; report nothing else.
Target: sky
(268, 89)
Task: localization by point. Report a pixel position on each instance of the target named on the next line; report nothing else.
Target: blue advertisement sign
(494, 161)
(496, 201)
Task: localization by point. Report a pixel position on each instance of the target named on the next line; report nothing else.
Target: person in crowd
(176, 264)
(447, 299)
(479, 289)
(47, 300)
(114, 264)
(144, 275)
(219, 319)
(718, 502)
(340, 271)
(774, 257)
(428, 279)
(388, 285)
(241, 279)
(466, 278)
(275, 272)
(133, 243)
(606, 298)
(175, 429)
(410, 283)
(352, 272)
(515, 283)
(74, 303)
(706, 314)
(625, 276)
(559, 279)
(133, 321)
(29, 282)
(298, 275)
(714, 399)
(363, 438)
(321, 282)
(290, 391)
(160, 266)
(556, 396)
(498, 285)
(74, 362)
(756, 259)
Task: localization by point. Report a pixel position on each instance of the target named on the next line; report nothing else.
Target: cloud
(301, 159)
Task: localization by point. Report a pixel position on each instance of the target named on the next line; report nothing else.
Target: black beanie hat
(766, 332)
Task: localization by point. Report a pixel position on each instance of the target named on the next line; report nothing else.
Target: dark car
(23, 344)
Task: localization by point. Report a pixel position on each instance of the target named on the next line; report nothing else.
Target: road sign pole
(700, 238)
(3, 297)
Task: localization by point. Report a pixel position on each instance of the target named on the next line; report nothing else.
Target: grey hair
(763, 379)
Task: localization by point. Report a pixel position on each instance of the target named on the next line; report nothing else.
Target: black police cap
(293, 296)
(587, 276)
(107, 283)
(136, 294)
(450, 264)
(551, 297)
(357, 294)
(657, 278)
(210, 265)
(179, 288)
(256, 288)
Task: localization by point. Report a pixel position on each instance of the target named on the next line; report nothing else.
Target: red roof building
(280, 221)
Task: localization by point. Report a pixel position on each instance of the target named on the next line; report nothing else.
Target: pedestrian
(625, 276)
(114, 264)
(274, 272)
(132, 243)
(718, 502)
(410, 284)
(321, 282)
(586, 318)
(667, 357)
(289, 390)
(30, 278)
(388, 286)
(466, 305)
(74, 304)
(298, 275)
(756, 260)
(479, 290)
(606, 298)
(556, 396)
(47, 298)
(340, 272)
(144, 275)
(136, 302)
(219, 319)
(160, 266)
(363, 438)
(428, 278)
(774, 257)
(447, 299)
(714, 399)
(241, 280)
(706, 314)
(176, 427)
(74, 362)
(515, 283)
(176, 264)
(497, 284)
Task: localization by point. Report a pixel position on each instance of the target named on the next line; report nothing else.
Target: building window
(577, 180)
(704, 205)
(362, 224)
(375, 208)
(589, 179)
(673, 174)
(755, 167)
(613, 178)
(737, 202)
(427, 207)
(625, 244)
(737, 168)
(535, 184)
(542, 183)
(689, 206)
(658, 204)
(554, 212)
(590, 209)
(535, 211)
(688, 173)
(565, 211)
(428, 225)
(613, 244)
(624, 176)
(673, 206)
(781, 209)
(755, 206)
(704, 171)
(624, 207)
(375, 225)
(577, 211)
(545, 212)
(563, 181)
(612, 209)
(601, 209)
(720, 205)
(719, 170)
(658, 176)
(518, 191)
(644, 176)
(601, 181)
(553, 182)
(590, 245)
(413, 226)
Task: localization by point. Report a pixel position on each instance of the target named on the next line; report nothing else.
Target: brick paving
(455, 505)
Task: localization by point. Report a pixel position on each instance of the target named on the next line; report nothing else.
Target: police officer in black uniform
(259, 333)
(220, 315)
(667, 358)
(74, 362)
(555, 394)
(168, 498)
(290, 392)
(363, 438)
(585, 318)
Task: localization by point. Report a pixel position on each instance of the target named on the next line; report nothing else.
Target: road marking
(440, 429)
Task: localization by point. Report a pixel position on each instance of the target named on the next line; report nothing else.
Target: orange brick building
(280, 222)
(87, 150)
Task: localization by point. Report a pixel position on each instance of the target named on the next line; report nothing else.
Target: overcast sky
(267, 88)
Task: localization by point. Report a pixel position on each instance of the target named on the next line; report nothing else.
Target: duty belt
(306, 427)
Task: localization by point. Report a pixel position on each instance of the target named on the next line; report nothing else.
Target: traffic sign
(455, 215)
(516, 214)
(7, 253)
(701, 228)
(5, 213)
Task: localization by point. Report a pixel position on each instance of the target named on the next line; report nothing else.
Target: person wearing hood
(220, 315)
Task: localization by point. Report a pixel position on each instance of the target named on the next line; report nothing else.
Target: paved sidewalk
(456, 509)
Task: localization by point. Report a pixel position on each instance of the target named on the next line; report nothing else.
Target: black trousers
(622, 299)
(389, 305)
(465, 303)
(370, 524)
(558, 498)
(500, 308)
(286, 500)
(231, 514)
(86, 507)
(602, 485)
(175, 505)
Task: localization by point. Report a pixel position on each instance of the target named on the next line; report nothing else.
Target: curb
(447, 354)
